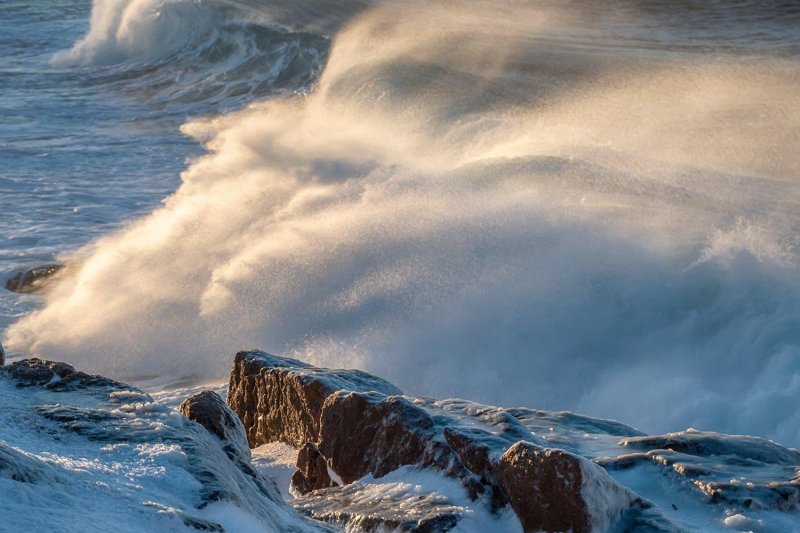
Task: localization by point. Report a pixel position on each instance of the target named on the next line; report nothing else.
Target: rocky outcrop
(33, 279)
(348, 432)
(281, 399)
(2, 355)
(369, 433)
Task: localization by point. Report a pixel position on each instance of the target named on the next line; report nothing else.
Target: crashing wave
(186, 51)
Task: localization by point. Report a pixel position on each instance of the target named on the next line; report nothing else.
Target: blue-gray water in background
(590, 206)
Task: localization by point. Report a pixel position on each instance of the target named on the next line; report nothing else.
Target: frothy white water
(470, 204)
(123, 30)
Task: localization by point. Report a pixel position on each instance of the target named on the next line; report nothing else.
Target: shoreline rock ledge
(348, 424)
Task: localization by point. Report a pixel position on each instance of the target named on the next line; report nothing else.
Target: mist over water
(517, 203)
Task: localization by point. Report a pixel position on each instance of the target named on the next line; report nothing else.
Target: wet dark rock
(738, 471)
(33, 279)
(2, 355)
(312, 470)
(281, 399)
(210, 411)
(201, 524)
(23, 468)
(60, 377)
(772, 495)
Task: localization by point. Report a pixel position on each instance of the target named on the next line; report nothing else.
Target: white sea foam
(470, 204)
(137, 30)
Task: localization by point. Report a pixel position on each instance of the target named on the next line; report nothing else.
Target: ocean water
(564, 205)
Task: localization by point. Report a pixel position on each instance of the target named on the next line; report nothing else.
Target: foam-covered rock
(737, 471)
(355, 507)
(83, 449)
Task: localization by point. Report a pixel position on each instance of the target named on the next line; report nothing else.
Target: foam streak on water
(519, 203)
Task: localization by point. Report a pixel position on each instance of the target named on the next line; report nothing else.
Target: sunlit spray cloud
(469, 205)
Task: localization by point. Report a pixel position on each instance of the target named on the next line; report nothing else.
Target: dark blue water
(77, 158)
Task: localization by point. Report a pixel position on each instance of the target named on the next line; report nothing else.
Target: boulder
(33, 279)
(281, 399)
(55, 419)
(312, 471)
(554, 490)
(370, 433)
(209, 410)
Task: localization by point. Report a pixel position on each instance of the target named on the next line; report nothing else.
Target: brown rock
(554, 490)
(352, 424)
(281, 399)
(369, 433)
(209, 410)
(312, 473)
(544, 488)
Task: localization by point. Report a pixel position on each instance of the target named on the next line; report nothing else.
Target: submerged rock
(737, 471)
(33, 279)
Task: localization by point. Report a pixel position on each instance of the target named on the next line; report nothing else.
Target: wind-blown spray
(473, 202)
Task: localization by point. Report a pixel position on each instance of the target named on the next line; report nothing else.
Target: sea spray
(473, 203)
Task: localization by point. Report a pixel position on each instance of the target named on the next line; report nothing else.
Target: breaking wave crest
(187, 51)
(472, 203)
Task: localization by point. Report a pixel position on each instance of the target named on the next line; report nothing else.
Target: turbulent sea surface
(592, 206)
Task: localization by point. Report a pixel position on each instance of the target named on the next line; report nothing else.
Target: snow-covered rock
(86, 453)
